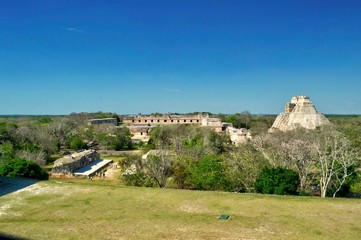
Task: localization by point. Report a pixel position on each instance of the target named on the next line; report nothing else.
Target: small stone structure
(214, 123)
(238, 136)
(65, 167)
(300, 112)
(140, 133)
(111, 121)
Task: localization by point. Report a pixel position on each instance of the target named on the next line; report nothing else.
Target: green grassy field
(66, 209)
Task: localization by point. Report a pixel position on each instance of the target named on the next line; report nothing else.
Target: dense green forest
(194, 157)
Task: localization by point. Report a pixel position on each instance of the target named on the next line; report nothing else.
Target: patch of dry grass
(96, 210)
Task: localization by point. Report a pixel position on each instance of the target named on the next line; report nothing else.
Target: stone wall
(238, 136)
(67, 165)
(214, 123)
(111, 121)
(165, 119)
(140, 133)
(140, 125)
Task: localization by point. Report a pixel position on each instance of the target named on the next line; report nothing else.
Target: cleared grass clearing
(95, 210)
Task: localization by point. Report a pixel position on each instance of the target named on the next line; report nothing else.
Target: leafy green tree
(7, 132)
(121, 142)
(110, 137)
(277, 181)
(44, 119)
(181, 169)
(161, 136)
(22, 168)
(261, 123)
(190, 144)
(6, 152)
(209, 174)
(76, 143)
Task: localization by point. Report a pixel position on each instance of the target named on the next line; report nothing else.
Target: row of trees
(198, 158)
(40, 137)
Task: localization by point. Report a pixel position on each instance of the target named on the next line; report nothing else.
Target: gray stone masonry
(68, 164)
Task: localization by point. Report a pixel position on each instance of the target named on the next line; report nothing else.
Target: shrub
(138, 179)
(208, 174)
(22, 168)
(277, 181)
(76, 143)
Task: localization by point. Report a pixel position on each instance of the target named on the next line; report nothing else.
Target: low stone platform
(67, 165)
(92, 168)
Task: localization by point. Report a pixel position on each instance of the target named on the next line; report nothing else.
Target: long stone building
(163, 119)
(300, 112)
(140, 125)
(110, 121)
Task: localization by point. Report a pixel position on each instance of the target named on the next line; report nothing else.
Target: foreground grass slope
(91, 210)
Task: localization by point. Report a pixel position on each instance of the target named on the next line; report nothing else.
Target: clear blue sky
(144, 56)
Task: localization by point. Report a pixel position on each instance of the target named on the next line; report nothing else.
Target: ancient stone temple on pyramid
(300, 112)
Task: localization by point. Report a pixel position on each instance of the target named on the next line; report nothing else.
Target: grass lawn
(67, 209)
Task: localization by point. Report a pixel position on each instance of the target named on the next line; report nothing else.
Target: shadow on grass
(12, 184)
(10, 237)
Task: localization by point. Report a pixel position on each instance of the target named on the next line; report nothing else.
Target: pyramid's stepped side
(300, 112)
(281, 122)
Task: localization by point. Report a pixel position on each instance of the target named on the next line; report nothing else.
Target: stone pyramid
(300, 112)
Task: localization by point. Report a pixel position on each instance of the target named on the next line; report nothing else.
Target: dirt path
(112, 173)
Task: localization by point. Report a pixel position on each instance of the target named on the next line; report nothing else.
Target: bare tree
(335, 159)
(270, 145)
(244, 165)
(37, 135)
(246, 118)
(300, 154)
(291, 149)
(158, 167)
(62, 129)
(39, 156)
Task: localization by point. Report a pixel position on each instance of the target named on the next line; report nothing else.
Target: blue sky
(144, 56)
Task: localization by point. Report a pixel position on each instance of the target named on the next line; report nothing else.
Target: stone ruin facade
(109, 121)
(238, 136)
(140, 125)
(300, 112)
(65, 167)
(140, 133)
(165, 119)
